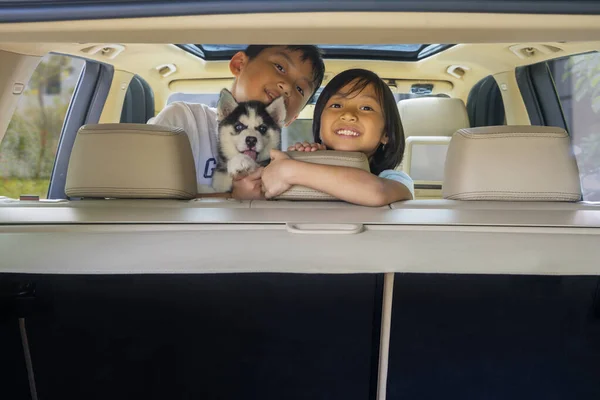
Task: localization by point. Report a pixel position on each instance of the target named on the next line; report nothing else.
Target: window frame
(540, 97)
(85, 107)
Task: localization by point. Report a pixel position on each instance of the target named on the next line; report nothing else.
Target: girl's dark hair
(385, 157)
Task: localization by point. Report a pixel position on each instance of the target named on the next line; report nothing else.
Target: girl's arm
(349, 184)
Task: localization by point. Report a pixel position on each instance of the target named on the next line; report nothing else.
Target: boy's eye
(300, 90)
(262, 129)
(335, 105)
(239, 127)
(279, 67)
(367, 108)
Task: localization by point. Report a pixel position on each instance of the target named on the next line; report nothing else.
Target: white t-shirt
(400, 177)
(200, 123)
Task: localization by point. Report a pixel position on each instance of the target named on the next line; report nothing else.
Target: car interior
(119, 280)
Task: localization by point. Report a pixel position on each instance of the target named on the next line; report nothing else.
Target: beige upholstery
(428, 124)
(324, 157)
(432, 116)
(131, 161)
(526, 163)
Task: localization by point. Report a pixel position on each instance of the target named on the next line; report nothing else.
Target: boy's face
(275, 72)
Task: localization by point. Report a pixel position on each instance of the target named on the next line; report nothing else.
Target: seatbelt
(28, 362)
(596, 302)
(21, 303)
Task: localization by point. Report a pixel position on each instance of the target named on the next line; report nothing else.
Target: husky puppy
(247, 133)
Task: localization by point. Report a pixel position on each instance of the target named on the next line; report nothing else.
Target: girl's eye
(335, 105)
(300, 90)
(279, 67)
(239, 127)
(262, 129)
(367, 108)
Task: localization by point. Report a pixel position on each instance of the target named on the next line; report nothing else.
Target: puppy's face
(251, 128)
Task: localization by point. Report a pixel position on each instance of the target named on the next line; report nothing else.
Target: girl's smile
(350, 132)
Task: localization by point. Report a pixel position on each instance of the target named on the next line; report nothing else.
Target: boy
(263, 73)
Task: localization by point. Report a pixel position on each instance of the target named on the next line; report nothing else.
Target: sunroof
(391, 52)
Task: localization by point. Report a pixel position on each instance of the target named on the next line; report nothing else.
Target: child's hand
(307, 147)
(274, 176)
(248, 187)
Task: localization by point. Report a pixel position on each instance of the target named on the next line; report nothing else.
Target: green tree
(28, 147)
(49, 118)
(584, 72)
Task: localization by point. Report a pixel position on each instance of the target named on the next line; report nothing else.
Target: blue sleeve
(399, 177)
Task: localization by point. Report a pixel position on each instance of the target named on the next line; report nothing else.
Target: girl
(355, 112)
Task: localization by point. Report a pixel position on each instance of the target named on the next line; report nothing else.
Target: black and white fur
(247, 133)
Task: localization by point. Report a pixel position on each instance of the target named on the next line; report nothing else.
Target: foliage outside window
(28, 149)
(577, 80)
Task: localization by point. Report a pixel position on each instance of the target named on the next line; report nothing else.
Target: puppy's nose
(251, 141)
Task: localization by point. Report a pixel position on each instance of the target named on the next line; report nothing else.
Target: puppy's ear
(226, 104)
(277, 110)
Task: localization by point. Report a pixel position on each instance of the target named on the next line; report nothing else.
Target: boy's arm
(348, 184)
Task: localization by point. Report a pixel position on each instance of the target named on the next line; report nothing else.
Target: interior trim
(135, 212)
(113, 249)
(84, 108)
(113, 105)
(325, 28)
(14, 11)
(539, 94)
(16, 69)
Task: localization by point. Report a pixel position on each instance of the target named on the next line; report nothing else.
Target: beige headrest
(131, 161)
(526, 163)
(432, 116)
(324, 157)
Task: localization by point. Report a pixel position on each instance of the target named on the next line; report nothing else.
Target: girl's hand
(274, 176)
(307, 147)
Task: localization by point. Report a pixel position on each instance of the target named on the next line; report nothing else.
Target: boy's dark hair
(385, 157)
(309, 52)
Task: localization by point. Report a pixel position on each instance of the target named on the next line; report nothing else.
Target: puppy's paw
(239, 164)
(222, 182)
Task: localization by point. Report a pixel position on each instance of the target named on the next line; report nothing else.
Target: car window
(577, 80)
(28, 149)
(299, 131)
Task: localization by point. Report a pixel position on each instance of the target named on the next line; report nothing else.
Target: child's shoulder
(194, 118)
(394, 174)
(195, 108)
(400, 177)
